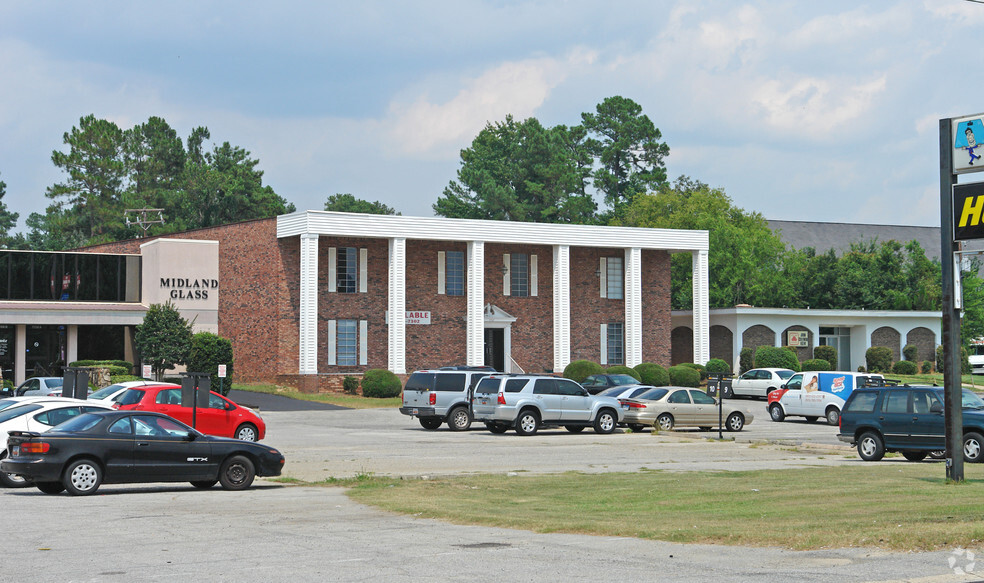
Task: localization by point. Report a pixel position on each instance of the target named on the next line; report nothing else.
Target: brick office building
(308, 297)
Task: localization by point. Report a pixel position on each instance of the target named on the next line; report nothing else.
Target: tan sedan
(667, 407)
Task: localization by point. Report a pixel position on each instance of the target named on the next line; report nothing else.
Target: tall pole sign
(961, 209)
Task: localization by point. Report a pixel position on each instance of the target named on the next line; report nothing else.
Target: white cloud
(814, 107)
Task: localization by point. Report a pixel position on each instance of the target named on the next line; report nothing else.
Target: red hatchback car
(222, 417)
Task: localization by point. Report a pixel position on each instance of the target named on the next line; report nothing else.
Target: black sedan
(133, 446)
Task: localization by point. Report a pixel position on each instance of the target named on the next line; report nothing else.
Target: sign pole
(952, 392)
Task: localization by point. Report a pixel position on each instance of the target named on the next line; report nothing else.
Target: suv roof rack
(462, 367)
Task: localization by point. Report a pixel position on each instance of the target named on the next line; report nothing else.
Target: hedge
(619, 369)
(910, 352)
(579, 370)
(653, 374)
(746, 360)
(828, 353)
(717, 365)
(701, 369)
(815, 364)
(776, 357)
(878, 359)
(684, 376)
(104, 363)
(927, 367)
(906, 367)
(380, 383)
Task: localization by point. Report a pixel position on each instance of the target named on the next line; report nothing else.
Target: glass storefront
(7, 340)
(56, 276)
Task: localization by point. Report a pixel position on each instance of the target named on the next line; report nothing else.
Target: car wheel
(605, 421)
(247, 432)
(527, 422)
(459, 419)
(664, 422)
(871, 448)
(429, 422)
(735, 422)
(972, 448)
(237, 473)
(776, 412)
(50, 487)
(833, 416)
(811, 419)
(10, 480)
(636, 427)
(496, 427)
(574, 428)
(728, 392)
(915, 456)
(82, 477)
(938, 454)
(204, 484)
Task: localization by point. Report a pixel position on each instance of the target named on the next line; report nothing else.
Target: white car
(625, 391)
(758, 382)
(112, 393)
(40, 416)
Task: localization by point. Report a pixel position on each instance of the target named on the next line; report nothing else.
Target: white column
(561, 306)
(397, 306)
(633, 306)
(308, 333)
(702, 341)
(20, 354)
(71, 343)
(475, 326)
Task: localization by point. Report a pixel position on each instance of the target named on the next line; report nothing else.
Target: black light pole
(952, 391)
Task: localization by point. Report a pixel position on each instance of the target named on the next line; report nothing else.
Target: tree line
(608, 169)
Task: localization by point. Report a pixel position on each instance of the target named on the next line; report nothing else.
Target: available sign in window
(418, 318)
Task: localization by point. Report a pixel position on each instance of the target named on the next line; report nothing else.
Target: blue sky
(824, 111)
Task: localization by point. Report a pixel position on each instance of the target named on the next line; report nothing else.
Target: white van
(816, 394)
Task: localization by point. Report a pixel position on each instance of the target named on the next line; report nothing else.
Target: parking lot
(274, 532)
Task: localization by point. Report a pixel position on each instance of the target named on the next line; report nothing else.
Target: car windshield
(653, 394)
(81, 423)
(610, 391)
(784, 374)
(15, 412)
(105, 392)
(623, 379)
(972, 401)
(4, 403)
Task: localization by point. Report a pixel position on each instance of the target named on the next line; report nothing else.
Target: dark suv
(908, 420)
(438, 395)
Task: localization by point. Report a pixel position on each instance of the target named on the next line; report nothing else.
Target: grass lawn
(892, 506)
(340, 399)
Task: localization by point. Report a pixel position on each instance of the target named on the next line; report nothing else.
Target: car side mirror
(936, 408)
(782, 386)
(190, 437)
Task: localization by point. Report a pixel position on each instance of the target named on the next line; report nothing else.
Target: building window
(348, 261)
(614, 278)
(348, 346)
(454, 273)
(519, 275)
(616, 343)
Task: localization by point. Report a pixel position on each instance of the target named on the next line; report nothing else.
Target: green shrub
(906, 367)
(746, 360)
(927, 367)
(379, 383)
(350, 385)
(619, 369)
(775, 357)
(939, 358)
(127, 366)
(815, 364)
(579, 370)
(123, 378)
(717, 365)
(684, 376)
(208, 351)
(910, 352)
(965, 362)
(828, 353)
(878, 359)
(701, 369)
(653, 374)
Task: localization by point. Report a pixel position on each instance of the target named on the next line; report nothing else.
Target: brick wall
(532, 332)
(925, 341)
(802, 352)
(442, 342)
(890, 337)
(722, 344)
(758, 335)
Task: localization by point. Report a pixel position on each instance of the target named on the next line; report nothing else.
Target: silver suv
(530, 402)
(439, 395)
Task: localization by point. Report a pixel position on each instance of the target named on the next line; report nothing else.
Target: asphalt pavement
(268, 402)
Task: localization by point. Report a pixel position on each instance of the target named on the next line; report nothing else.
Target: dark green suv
(908, 420)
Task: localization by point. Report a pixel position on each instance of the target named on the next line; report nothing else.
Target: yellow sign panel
(968, 211)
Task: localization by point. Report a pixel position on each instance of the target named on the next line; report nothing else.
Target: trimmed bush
(684, 376)
(910, 352)
(350, 385)
(717, 365)
(964, 360)
(927, 367)
(878, 359)
(579, 370)
(208, 351)
(775, 357)
(127, 366)
(379, 383)
(906, 367)
(815, 364)
(746, 360)
(653, 374)
(697, 367)
(123, 378)
(828, 353)
(619, 369)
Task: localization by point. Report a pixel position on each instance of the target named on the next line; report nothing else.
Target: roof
(839, 236)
